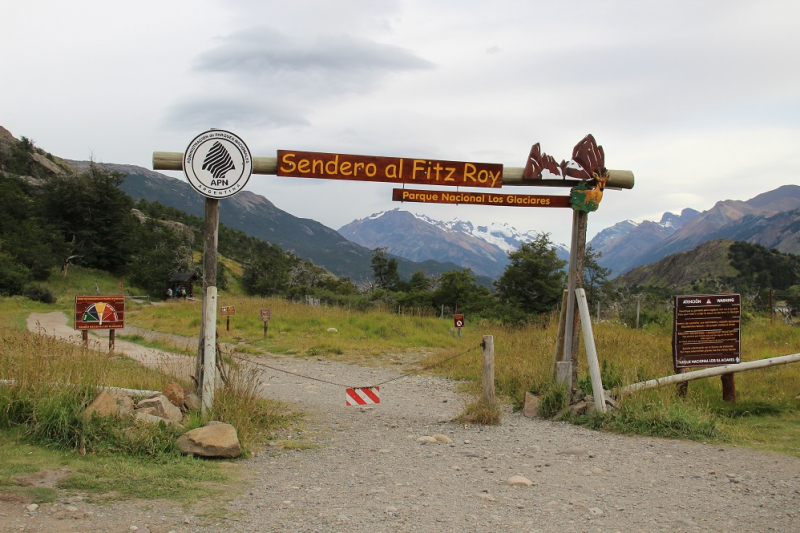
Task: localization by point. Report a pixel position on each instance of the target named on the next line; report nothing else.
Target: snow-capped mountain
(484, 249)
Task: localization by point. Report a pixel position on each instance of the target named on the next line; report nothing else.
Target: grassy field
(765, 416)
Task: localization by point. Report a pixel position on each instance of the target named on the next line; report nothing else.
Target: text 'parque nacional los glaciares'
(388, 169)
(478, 198)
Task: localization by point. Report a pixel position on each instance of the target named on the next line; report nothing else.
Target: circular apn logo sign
(217, 164)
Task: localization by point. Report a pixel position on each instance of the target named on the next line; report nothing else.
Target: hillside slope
(709, 261)
(258, 217)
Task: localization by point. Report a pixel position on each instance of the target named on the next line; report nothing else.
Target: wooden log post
(85, 339)
(591, 351)
(728, 388)
(561, 370)
(488, 370)
(209, 329)
(711, 372)
(577, 255)
(112, 337)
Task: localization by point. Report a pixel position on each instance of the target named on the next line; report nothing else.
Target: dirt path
(370, 473)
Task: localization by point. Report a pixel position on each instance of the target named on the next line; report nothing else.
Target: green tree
(460, 291)
(159, 252)
(534, 280)
(384, 270)
(595, 277)
(27, 239)
(94, 216)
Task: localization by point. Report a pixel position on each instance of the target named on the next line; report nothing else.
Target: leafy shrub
(39, 294)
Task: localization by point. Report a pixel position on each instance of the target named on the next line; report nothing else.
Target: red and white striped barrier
(363, 395)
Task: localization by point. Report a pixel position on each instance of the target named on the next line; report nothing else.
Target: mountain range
(256, 216)
(484, 249)
(771, 219)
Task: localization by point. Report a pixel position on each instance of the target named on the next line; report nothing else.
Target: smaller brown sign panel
(228, 310)
(322, 165)
(707, 330)
(478, 198)
(458, 321)
(99, 312)
(266, 315)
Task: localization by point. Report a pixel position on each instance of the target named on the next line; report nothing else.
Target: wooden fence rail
(711, 372)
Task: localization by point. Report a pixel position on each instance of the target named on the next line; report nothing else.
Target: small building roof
(184, 276)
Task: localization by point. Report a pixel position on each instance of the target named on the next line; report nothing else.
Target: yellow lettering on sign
(469, 171)
(287, 159)
(419, 165)
(345, 168)
(335, 164)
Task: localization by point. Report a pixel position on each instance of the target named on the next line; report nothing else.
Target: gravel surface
(370, 472)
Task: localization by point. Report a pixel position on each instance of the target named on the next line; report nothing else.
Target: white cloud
(700, 99)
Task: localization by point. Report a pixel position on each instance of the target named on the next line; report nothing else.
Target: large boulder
(213, 440)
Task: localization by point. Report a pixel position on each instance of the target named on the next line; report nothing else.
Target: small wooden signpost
(99, 312)
(458, 322)
(227, 311)
(266, 315)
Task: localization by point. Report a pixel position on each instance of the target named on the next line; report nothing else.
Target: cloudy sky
(700, 99)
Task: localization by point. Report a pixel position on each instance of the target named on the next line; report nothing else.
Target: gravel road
(369, 472)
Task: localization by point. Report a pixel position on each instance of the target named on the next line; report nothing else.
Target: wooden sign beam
(512, 176)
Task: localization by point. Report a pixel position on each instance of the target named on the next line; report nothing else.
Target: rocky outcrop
(213, 440)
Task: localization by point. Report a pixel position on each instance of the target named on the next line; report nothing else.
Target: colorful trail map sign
(99, 312)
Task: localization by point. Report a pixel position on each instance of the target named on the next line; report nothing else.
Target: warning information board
(707, 330)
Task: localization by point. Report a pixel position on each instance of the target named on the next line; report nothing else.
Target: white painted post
(209, 348)
(591, 351)
(209, 341)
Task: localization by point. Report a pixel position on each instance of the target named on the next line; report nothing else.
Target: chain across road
(320, 380)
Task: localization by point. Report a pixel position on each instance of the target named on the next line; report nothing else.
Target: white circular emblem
(217, 164)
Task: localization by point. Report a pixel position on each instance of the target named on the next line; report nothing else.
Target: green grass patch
(23, 463)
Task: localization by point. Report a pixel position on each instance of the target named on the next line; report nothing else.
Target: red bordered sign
(99, 312)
